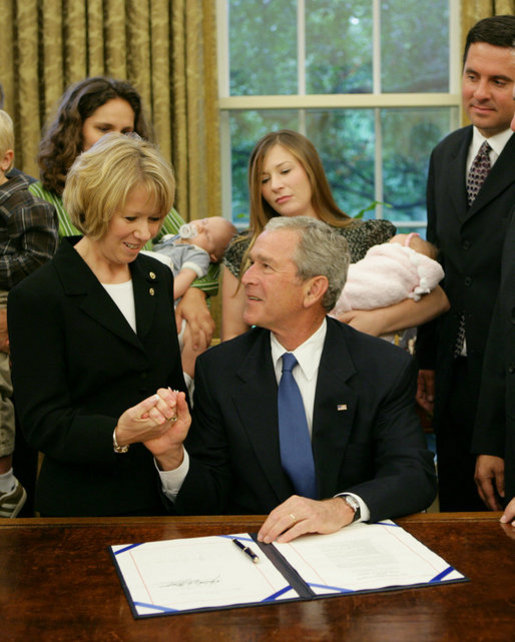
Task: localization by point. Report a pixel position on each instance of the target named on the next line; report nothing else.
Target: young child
(28, 238)
(405, 267)
(189, 253)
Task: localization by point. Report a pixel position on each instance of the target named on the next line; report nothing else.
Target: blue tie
(294, 439)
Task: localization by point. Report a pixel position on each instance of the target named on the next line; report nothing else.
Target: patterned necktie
(294, 438)
(478, 172)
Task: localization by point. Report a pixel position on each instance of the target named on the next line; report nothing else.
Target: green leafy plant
(372, 205)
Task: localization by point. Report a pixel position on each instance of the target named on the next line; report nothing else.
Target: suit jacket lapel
(335, 408)
(80, 283)
(255, 400)
(145, 283)
(500, 177)
(457, 174)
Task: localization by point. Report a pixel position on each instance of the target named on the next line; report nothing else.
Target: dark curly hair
(62, 139)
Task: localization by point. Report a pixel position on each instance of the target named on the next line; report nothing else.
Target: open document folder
(204, 573)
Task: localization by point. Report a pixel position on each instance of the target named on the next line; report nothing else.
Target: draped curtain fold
(165, 48)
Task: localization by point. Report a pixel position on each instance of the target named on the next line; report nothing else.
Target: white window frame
(301, 101)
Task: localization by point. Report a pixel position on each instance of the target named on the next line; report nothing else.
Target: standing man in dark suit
(467, 217)
(359, 452)
(494, 435)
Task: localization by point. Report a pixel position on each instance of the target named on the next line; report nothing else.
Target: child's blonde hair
(6, 134)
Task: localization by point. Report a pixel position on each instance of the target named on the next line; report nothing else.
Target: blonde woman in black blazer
(94, 342)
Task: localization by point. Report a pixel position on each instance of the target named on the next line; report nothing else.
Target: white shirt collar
(496, 142)
(308, 354)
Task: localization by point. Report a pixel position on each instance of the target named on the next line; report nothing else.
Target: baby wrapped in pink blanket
(405, 267)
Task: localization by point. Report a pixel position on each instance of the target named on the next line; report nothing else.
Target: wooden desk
(57, 582)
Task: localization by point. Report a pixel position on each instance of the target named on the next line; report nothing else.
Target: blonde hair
(101, 178)
(6, 135)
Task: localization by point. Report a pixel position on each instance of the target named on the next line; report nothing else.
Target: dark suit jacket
(373, 446)
(495, 424)
(470, 243)
(77, 365)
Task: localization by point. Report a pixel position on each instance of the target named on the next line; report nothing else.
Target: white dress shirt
(497, 143)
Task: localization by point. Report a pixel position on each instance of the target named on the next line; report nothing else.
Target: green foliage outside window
(338, 46)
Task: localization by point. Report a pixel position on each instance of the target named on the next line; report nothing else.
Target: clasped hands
(161, 422)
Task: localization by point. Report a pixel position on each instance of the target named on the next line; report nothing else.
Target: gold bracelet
(118, 449)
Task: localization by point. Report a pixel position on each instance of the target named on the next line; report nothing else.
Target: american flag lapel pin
(341, 406)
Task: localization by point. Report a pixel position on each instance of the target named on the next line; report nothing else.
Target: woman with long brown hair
(286, 178)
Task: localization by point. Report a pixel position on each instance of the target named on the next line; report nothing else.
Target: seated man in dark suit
(357, 451)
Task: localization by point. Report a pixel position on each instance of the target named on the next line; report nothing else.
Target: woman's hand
(397, 317)
(366, 321)
(193, 308)
(151, 418)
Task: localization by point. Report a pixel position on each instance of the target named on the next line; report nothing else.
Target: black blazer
(372, 445)
(495, 424)
(77, 365)
(470, 242)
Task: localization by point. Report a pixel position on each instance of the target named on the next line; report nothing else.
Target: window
(372, 83)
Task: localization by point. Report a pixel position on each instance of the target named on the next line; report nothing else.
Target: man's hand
(193, 308)
(509, 514)
(148, 419)
(167, 446)
(489, 478)
(299, 515)
(425, 395)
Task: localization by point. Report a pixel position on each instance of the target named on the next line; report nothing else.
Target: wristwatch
(119, 449)
(354, 504)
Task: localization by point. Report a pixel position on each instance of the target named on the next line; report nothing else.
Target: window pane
(409, 136)
(263, 47)
(414, 46)
(346, 142)
(338, 47)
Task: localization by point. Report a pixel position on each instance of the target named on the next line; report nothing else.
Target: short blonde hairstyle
(101, 178)
(6, 134)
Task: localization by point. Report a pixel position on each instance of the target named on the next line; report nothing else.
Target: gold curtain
(165, 48)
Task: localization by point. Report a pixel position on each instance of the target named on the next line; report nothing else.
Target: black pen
(247, 550)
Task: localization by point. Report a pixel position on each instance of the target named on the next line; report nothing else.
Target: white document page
(365, 557)
(201, 572)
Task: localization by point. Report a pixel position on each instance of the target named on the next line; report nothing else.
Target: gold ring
(294, 519)
(173, 419)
